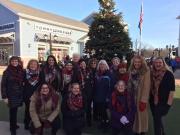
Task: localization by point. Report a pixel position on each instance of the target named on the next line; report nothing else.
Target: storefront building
(32, 33)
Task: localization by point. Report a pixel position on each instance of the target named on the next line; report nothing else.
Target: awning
(39, 36)
(7, 37)
(10, 35)
(64, 39)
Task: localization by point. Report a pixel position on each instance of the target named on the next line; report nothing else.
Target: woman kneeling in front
(44, 110)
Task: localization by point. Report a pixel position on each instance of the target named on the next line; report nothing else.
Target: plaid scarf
(157, 76)
(84, 74)
(133, 83)
(75, 102)
(50, 73)
(16, 73)
(121, 102)
(32, 76)
(67, 76)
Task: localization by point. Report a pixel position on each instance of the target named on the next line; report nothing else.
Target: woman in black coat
(31, 83)
(73, 109)
(86, 83)
(51, 73)
(162, 93)
(12, 89)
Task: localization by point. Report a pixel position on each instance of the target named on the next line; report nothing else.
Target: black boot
(53, 132)
(13, 132)
(136, 134)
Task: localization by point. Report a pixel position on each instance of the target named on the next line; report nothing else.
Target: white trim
(7, 43)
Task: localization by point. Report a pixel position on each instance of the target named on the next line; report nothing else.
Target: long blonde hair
(144, 68)
(164, 63)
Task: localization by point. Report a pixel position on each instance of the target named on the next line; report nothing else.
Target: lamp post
(179, 37)
(50, 41)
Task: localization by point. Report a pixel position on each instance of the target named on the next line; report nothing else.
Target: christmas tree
(107, 35)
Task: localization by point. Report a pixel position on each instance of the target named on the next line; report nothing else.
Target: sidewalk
(4, 130)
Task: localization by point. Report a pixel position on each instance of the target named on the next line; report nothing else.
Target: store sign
(7, 26)
(53, 30)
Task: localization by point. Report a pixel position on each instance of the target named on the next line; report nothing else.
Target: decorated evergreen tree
(107, 35)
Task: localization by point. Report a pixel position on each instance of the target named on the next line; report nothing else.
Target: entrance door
(6, 50)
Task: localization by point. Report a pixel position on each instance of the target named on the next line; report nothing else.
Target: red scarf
(67, 76)
(124, 77)
(117, 103)
(75, 102)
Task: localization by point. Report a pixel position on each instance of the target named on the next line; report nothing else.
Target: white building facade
(32, 33)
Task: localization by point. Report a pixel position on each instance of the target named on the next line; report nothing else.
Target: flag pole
(140, 43)
(140, 27)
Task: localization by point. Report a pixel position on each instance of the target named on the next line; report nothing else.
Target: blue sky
(160, 26)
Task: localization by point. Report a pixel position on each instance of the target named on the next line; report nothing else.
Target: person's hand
(142, 106)
(124, 120)
(38, 130)
(6, 101)
(47, 124)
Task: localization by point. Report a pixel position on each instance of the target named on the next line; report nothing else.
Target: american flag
(141, 19)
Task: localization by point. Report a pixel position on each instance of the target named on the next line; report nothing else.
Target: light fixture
(45, 36)
(55, 37)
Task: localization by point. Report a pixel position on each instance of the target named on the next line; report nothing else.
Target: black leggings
(13, 118)
(102, 112)
(158, 112)
(27, 117)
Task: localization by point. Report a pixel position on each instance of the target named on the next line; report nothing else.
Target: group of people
(81, 93)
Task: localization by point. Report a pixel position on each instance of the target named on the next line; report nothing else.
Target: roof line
(50, 22)
(6, 6)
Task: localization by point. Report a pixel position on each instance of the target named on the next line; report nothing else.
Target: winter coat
(103, 85)
(129, 112)
(57, 82)
(45, 113)
(72, 119)
(141, 118)
(11, 90)
(29, 89)
(86, 83)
